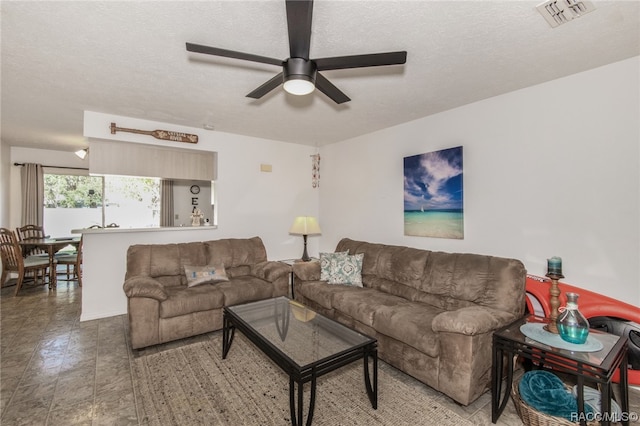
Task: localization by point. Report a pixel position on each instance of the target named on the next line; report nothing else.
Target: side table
(291, 262)
(593, 367)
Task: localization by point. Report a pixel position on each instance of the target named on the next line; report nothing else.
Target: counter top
(130, 230)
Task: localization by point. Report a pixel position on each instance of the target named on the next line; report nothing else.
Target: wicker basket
(533, 417)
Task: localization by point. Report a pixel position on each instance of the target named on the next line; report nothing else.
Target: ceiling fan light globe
(298, 86)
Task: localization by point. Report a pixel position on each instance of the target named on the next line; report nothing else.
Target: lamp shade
(305, 225)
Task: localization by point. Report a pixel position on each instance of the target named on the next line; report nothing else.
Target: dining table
(51, 246)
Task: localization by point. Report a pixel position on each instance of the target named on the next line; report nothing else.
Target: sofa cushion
(323, 293)
(348, 271)
(234, 252)
(371, 252)
(329, 264)
(238, 271)
(197, 275)
(409, 323)
(164, 260)
(245, 289)
(394, 263)
(465, 279)
(362, 303)
(185, 300)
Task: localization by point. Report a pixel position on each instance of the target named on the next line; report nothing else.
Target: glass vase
(572, 325)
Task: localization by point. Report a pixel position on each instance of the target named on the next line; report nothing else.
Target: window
(131, 202)
(73, 202)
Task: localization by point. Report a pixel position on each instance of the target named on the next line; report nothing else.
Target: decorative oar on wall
(166, 135)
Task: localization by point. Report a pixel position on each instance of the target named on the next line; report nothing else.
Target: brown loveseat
(162, 307)
(433, 313)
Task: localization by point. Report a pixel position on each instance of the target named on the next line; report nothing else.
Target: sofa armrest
(471, 321)
(307, 271)
(271, 270)
(144, 287)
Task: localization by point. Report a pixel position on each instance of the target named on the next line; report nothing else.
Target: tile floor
(56, 370)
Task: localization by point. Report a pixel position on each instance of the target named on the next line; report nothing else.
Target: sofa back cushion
(464, 279)
(404, 265)
(237, 255)
(445, 280)
(393, 269)
(164, 262)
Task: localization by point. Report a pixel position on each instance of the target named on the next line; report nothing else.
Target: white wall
(548, 170)
(249, 203)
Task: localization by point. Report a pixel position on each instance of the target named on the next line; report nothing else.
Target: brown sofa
(433, 313)
(161, 307)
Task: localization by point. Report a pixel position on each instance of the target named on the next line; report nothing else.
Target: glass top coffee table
(304, 344)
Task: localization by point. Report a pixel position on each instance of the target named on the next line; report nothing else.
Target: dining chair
(31, 232)
(13, 261)
(72, 259)
(28, 232)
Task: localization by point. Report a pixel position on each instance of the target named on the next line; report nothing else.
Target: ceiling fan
(300, 74)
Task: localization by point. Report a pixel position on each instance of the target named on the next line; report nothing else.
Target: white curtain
(166, 202)
(32, 177)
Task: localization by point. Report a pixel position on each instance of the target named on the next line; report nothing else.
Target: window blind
(134, 159)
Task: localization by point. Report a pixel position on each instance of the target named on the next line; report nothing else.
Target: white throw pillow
(197, 275)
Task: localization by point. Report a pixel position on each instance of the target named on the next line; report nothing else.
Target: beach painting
(433, 202)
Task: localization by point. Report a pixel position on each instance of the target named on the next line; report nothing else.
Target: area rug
(193, 385)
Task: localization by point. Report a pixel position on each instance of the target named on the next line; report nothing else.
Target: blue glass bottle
(572, 325)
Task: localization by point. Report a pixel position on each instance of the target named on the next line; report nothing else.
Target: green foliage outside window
(68, 191)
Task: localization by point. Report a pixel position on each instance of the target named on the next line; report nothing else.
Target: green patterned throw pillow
(348, 271)
(197, 275)
(329, 263)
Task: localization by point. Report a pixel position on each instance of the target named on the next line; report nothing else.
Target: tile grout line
(13, 394)
(95, 375)
(131, 369)
(57, 378)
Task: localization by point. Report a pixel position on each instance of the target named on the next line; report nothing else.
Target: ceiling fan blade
(198, 48)
(299, 13)
(266, 87)
(326, 87)
(357, 61)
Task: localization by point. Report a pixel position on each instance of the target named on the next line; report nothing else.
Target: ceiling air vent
(558, 12)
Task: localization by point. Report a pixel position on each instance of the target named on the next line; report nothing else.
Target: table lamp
(305, 225)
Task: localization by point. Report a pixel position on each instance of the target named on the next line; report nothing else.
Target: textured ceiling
(128, 58)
